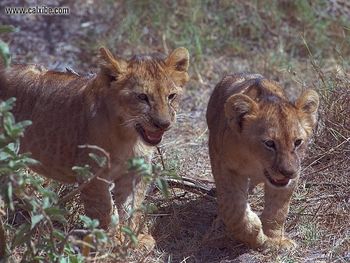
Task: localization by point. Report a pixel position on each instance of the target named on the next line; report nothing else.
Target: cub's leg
(275, 212)
(240, 220)
(129, 193)
(97, 201)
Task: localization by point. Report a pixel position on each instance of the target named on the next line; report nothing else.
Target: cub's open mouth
(152, 138)
(276, 182)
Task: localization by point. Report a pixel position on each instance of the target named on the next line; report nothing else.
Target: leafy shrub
(42, 236)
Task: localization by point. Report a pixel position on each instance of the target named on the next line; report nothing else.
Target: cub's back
(229, 85)
(55, 103)
(35, 88)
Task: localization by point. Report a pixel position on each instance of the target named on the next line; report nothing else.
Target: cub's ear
(178, 59)
(110, 65)
(177, 63)
(307, 104)
(239, 108)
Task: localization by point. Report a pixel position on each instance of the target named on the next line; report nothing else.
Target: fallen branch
(194, 185)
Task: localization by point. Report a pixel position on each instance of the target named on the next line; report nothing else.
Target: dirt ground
(185, 227)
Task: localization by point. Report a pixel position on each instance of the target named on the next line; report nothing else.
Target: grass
(310, 234)
(210, 27)
(298, 43)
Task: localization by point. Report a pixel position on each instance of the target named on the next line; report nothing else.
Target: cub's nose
(161, 124)
(289, 173)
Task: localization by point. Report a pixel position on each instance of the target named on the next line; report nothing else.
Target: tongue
(154, 136)
(281, 181)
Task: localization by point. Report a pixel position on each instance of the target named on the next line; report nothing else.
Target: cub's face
(145, 91)
(276, 132)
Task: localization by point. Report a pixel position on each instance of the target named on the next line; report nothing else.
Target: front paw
(142, 242)
(146, 241)
(281, 243)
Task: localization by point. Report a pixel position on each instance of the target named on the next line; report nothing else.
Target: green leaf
(50, 211)
(95, 223)
(84, 172)
(22, 235)
(139, 165)
(35, 220)
(5, 53)
(59, 218)
(18, 128)
(7, 105)
(85, 219)
(10, 196)
(29, 161)
(100, 160)
(8, 29)
(114, 220)
(64, 260)
(38, 258)
(10, 149)
(149, 208)
(163, 186)
(9, 121)
(58, 234)
(49, 195)
(45, 202)
(76, 259)
(127, 230)
(100, 235)
(88, 222)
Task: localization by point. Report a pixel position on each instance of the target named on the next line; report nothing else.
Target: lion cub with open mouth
(256, 135)
(125, 109)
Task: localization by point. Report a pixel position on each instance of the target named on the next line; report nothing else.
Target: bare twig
(2, 240)
(95, 147)
(327, 152)
(199, 76)
(78, 232)
(51, 229)
(161, 157)
(96, 175)
(323, 168)
(145, 256)
(165, 46)
(80, 187)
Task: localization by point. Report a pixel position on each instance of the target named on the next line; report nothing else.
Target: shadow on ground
(187, 230)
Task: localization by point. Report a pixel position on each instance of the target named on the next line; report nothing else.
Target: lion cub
(257, 136)
(125, 109)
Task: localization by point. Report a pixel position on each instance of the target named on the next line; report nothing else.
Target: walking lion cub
(257, 136)
(125, 109)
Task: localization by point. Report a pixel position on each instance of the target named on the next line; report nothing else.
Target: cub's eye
(270, 144)
(143, 97)
(112, 78)
(172, 96)
(298, 142)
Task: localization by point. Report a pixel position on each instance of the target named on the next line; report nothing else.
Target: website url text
(37, 10)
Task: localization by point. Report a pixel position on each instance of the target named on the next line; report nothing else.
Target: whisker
(131, 120)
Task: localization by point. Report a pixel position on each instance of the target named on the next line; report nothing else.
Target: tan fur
(110, 109)
(246, 115)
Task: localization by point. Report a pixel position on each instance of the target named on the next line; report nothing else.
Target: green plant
(4, 48)
(42, 237)
(310, 234)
